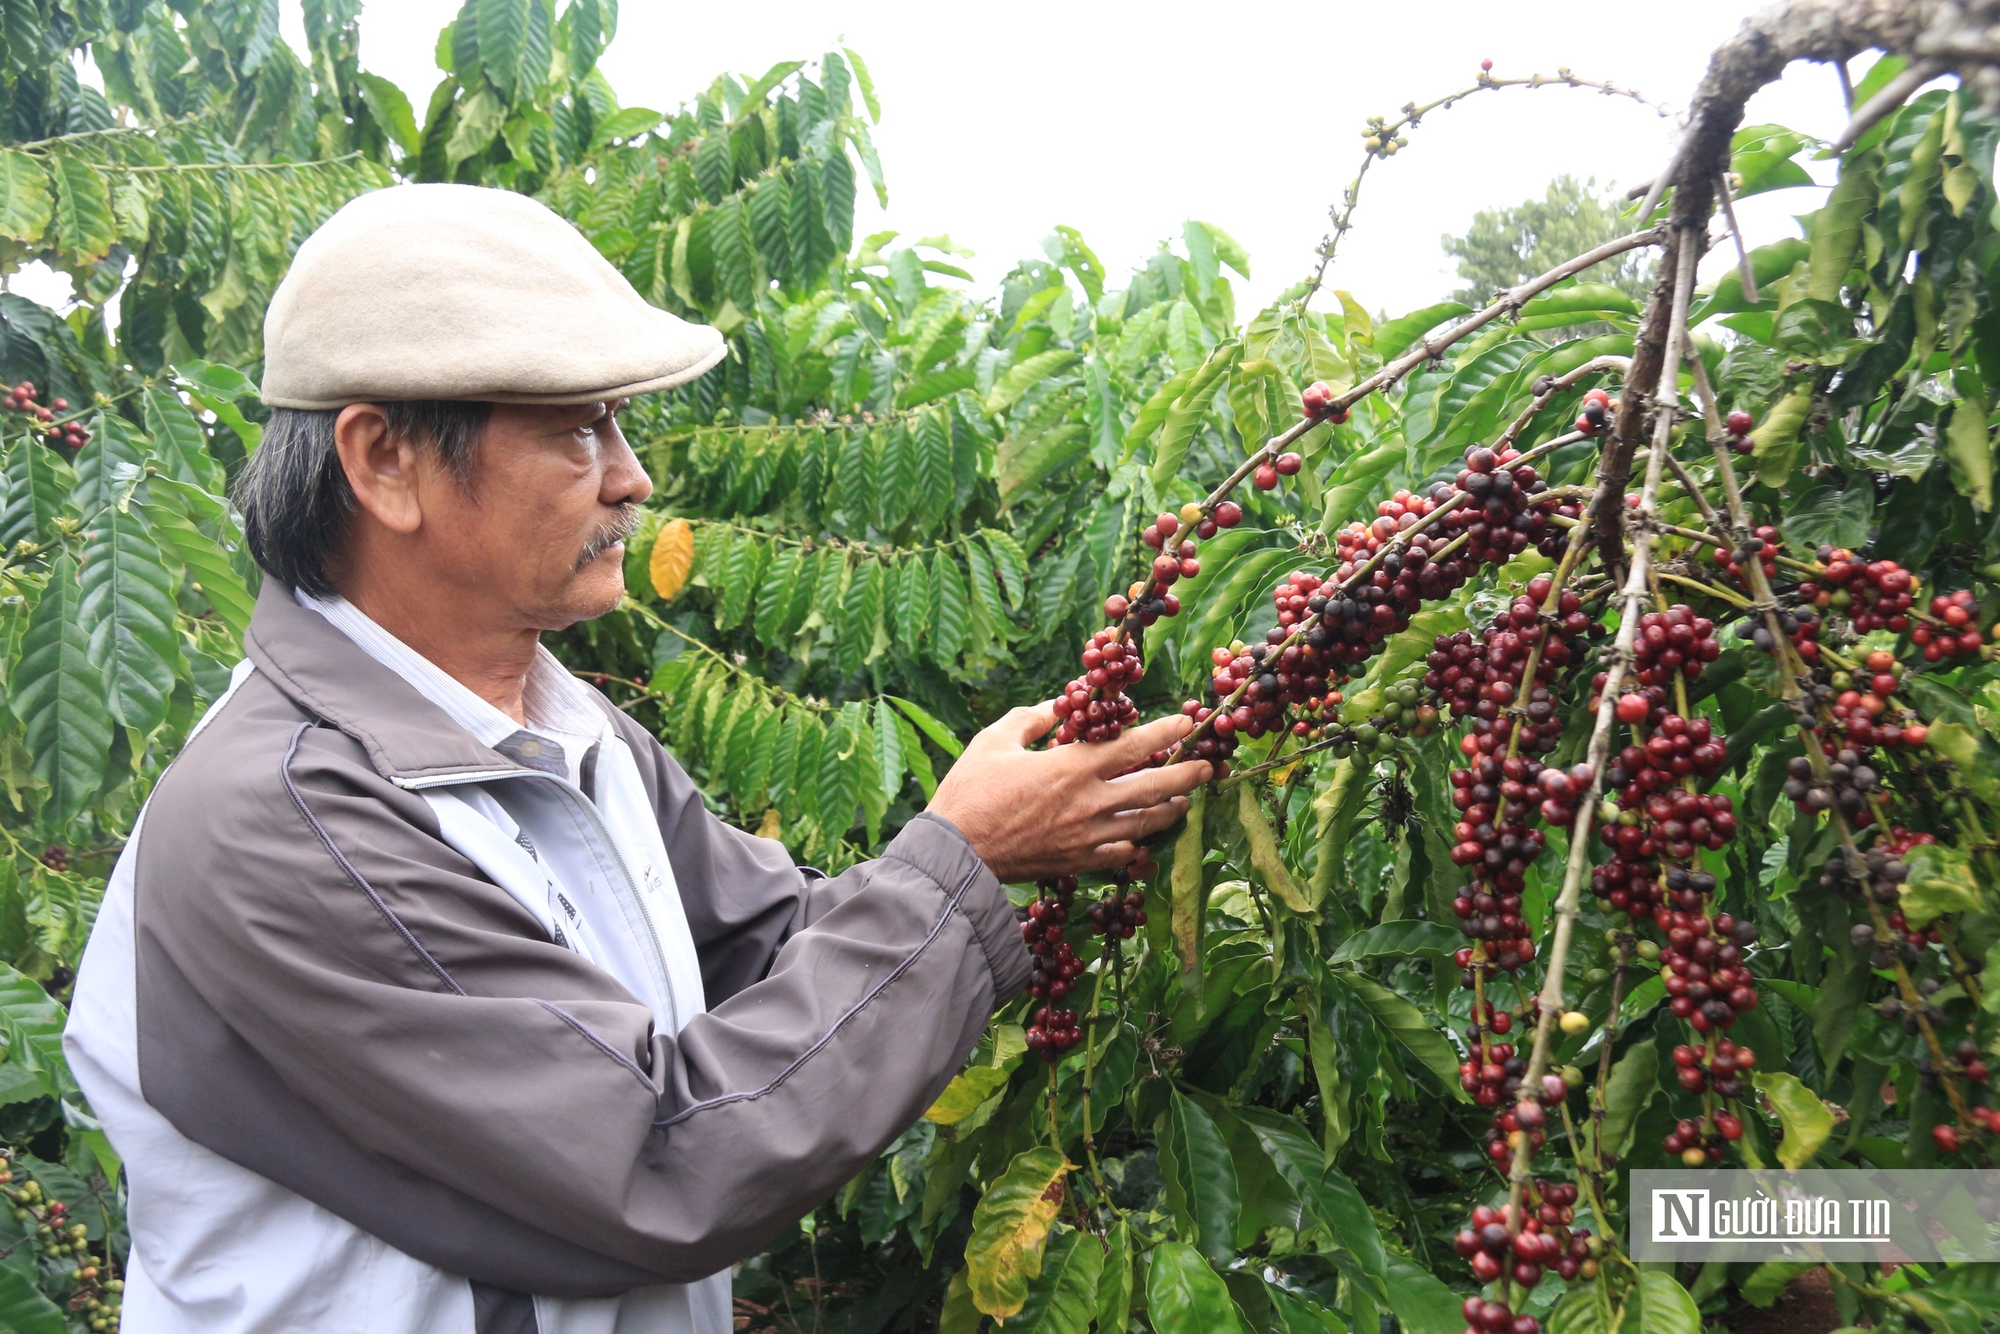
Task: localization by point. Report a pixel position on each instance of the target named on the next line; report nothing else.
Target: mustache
(609, 535)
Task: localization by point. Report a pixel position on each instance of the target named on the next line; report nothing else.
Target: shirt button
(531, 747)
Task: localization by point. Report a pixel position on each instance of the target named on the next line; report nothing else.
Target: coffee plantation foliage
(900, 507)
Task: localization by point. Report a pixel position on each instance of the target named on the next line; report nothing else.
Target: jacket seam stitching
(951, 906)
(600, 1044)
(958, 902)
(353, 874)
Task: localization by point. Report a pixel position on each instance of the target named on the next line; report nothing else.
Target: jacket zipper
(576, 798)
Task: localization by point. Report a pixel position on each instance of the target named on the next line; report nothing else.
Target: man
(429, 996)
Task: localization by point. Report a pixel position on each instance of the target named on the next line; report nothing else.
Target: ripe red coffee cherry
(1486, 65)
(1266, 477)
(1633, 708)
(1739, 422)
(1317, 398)
(1946, 1138)
(1228, 514)
(1288, 465)
(1116, 606)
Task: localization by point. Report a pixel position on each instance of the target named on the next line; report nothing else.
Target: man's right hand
(1034, 814)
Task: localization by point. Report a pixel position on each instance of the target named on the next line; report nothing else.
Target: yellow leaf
(673, 557)
(768, 826)
(1266, 857)
(965, 1094)
(1010, 1228)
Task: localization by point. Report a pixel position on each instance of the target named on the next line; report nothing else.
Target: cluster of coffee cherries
(64, 1243)
(1497, 799)
(1522, 1125)
(1739, 424)
(1874, 595)
(1482, 679)
(1493, 1073)
(1543, 1241)
(1698, 1072)
(1847, 786)
(1761, 547)
(21, 398)
(1955, 633)
(1867, 709)
(1120, 913)
(1673, 641)
(1094, 706)
(1052, 1030)
(1598, 409)
(1802, 627)
(1698, 1143)
(1499, 521)
(1971, 1065)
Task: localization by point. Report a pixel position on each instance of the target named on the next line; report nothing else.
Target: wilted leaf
(1010, 1228)
(672, 558)
(1807, 1121)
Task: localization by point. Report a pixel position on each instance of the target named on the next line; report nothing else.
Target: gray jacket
(326, 993)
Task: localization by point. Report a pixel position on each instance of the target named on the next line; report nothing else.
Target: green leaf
(478, 121)
(1395, 337)
(1633, 1082)
(1027, 466)
(1063, 1298)
(951, 611)
(1971, 453)
(1011, 563)
(1806, 1120)
(625, 123)
(1776, 439)
(172, 512)
(1422, 1303)
(84, 226)
(59, 695)
(1020, 379)
(939, 734)
(39, 485)
(775, 593)
(914, 758)
(1185, 1296)
(390, 109)
(25, 208)
(1574, 304)
(1409, 1026)
(1189, 902)
(502, 27)
(180, 443)
(913, 604)
(1941, 878)
(33, 1022)
(23, 1308)
(1200, 1178)
(1189, 411)
(1324, 1191)
(1353, 481)
(1406, 939)
(1667, 1308)
(127, 612)
(888, 752)
(1767, 1282)
(1114, 1283)
(1010, 1228)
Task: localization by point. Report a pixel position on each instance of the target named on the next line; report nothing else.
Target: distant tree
(1506, 246)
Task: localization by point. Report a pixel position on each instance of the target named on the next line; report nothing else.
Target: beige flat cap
(459, 292)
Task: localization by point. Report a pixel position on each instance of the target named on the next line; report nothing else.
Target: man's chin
(598, 588)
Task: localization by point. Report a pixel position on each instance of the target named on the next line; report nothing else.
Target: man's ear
(382, 467)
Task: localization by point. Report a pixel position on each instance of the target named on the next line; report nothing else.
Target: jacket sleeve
(743, 896)
(418, 1013)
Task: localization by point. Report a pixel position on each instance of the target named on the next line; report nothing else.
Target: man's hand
(1034, 814)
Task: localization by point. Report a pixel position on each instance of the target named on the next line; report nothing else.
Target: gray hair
(295, 496)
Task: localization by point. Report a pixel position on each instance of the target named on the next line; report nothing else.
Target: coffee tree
(1598, 686)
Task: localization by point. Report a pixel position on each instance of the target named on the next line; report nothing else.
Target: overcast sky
(1126, 119)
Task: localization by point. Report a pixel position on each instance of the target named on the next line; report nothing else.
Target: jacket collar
(408, 738)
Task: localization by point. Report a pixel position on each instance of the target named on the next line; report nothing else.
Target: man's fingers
(1110, 857)
(1149, 787)
(1137, 743)
(1018, 727)
(1131, 826)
